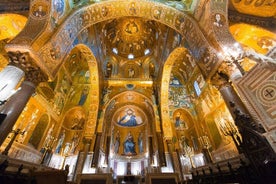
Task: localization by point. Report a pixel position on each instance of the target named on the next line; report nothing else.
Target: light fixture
(11, 77)
(234, 54)
(130, 56)
(147, 51)
(115, 50)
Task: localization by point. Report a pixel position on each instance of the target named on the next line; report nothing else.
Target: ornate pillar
(253, 144)
(16, 103)
(96, 150)
(87, 144)
(107, 149)
(82, 157)
(151, 153)
(175, 158)
(161, 150)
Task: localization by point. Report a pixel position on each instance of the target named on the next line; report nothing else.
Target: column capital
(220, 80)
(226, 72)
(25, 62)
(86, 140)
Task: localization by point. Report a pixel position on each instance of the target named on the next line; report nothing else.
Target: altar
(128, 179)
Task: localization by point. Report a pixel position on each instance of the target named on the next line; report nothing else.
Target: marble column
(96, 150)
(14, 107)
(232, 99)
(10, 76)
(151, 154)
(177, 164)
(161, 149)
(107, 149)
(224, 80)
(16, 103)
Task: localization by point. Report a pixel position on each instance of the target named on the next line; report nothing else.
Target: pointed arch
(177, 54)
(94, 92)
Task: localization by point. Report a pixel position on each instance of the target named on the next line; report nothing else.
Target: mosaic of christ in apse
(129, 119)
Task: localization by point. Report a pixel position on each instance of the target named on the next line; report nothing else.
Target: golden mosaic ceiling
(130, 37)
(254, 37)
(260, 8)
(11, 25)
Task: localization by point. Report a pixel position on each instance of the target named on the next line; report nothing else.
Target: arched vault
(49, 48)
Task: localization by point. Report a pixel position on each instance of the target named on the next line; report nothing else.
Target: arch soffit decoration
(176, 54)
(91, 14)
(90, 125)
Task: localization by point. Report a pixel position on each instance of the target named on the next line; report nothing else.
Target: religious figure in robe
(129, 119)
(129, 145)
(74, 143)
(83, 96)
(60, 142)
(141, 142)
(179, 123)
(117, 142)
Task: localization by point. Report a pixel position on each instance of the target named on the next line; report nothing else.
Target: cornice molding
(15, 6)
(236, 17)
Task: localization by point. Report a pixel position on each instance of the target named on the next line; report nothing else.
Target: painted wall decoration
(129, 118)
(179, 121)
(39, 10)
(39, 131)
(178, 94)
(218, 20)
(83, 96)
(74, 143)
(60, 142)
(58, 9)
(128, 132)
(74, 118)
(129, 145)
(58, 102)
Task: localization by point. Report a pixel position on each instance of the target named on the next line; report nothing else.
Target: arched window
(197, 88)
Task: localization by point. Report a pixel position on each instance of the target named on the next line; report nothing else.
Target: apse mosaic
(129, 118)
(130, 142)
(128, 133)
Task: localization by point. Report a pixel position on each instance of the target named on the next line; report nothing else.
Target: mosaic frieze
(260, 21)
